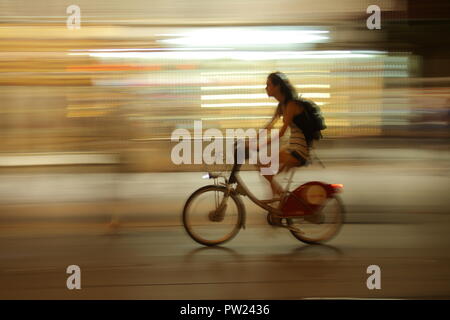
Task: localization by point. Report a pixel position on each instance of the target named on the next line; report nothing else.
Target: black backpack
(311, 121)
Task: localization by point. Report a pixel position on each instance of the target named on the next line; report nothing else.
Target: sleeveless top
(297, 141)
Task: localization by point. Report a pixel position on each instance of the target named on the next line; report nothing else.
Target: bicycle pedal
(278, 222)
(274, 220)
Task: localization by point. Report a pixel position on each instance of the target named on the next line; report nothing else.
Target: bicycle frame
(242, 189)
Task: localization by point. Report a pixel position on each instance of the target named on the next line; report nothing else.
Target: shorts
(299, 157)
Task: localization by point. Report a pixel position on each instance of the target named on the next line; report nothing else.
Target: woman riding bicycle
(313, 212)
(297, 152)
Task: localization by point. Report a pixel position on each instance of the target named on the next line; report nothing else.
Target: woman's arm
(274, 120)
(291, 109)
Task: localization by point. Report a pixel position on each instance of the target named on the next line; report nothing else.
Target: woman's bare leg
(286, 160)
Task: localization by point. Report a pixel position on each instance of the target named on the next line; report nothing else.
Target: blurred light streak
(236, 118)
(257, 96)
(235, 105)
(61, 158)
(113, 67)
(242, 37)
(249, 104)
(307, 86)
(316, 95)
(222, 73)
(301, 86)
(234, 96)
(237, 55)
(87, 113)
(77, 52)
(212, 88)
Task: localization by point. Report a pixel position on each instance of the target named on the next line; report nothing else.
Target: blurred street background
(88, 106)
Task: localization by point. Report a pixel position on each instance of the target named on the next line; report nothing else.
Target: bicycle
(303, 211)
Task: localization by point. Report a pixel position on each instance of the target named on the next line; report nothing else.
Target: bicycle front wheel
(208, 219)
(322, 225)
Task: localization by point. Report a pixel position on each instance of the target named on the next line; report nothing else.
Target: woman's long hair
(287, 89)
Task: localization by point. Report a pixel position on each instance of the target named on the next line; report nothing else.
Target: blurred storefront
(131, 75)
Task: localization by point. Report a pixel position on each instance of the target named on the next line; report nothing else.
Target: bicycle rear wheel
(207, 220)
(322, 225)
